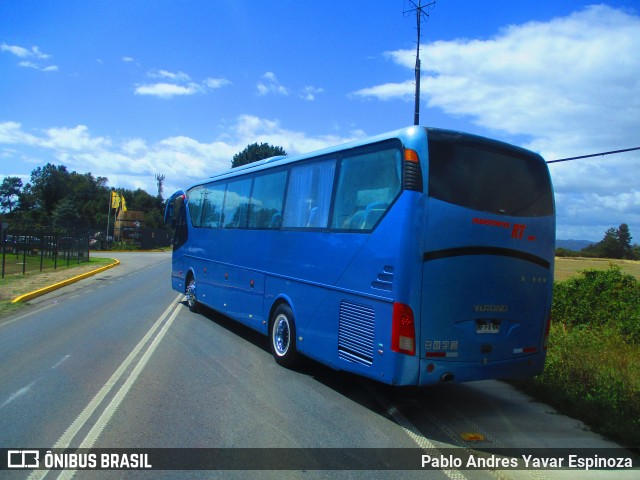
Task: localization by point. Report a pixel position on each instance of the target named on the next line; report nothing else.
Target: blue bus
(415, 257)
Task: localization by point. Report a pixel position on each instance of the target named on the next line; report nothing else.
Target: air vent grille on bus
(355, 333)
(384, 280)
(412, 176)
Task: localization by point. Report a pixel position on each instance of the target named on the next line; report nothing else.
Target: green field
(567, 267)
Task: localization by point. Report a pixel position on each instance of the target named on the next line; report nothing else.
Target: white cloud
(177, 84)
(388, 91)
(74, 139)
(270, 84)
(167, 90)
(21, 52)
(309, 92)
(12, 133)
(215, 83)
(133, 162)
(249, 129)
(569, 85)
(175, 77)
(33, 57)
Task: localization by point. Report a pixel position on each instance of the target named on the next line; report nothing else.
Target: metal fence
(31, 247)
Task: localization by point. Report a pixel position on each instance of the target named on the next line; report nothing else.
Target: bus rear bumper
(433, 371)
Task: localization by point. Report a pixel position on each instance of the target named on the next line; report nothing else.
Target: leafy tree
(9, 193)
(254, 152)
(49, 185)
(27, 208)
(55, 194)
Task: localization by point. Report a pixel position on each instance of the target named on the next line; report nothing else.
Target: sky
(127, 90)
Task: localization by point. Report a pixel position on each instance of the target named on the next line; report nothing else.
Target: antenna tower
(422, 11)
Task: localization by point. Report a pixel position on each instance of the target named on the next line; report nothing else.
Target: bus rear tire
(190, 293)
(282, 336)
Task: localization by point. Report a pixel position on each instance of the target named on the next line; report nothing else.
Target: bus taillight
(403, 332)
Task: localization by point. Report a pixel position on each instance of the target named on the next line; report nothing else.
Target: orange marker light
(411, 156)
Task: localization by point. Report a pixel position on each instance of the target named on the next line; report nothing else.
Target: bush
(600, 301)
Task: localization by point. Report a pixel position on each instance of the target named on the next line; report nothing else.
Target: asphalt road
(118, 361)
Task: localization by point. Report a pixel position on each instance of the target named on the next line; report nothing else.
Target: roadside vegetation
(14, 285)
(593, 358)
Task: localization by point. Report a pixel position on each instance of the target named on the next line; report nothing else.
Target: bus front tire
(190, 293)
(282, 336)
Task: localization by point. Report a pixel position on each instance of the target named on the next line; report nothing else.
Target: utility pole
(421, 11)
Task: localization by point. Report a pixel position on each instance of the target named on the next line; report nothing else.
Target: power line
(594, 155)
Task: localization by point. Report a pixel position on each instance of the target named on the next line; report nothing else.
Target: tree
(65, 213)
(49, 185)
(9, 193)
(56, 195)
(610, 245)
(624, 238)
(254, 152)
(142, 201)
(616, 243)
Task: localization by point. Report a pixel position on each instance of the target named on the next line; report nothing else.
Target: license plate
(487, 326)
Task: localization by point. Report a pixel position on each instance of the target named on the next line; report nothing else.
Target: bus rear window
(486, 177)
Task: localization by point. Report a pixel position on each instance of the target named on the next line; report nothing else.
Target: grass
(594, 377)
(19, 263)
(16, 284)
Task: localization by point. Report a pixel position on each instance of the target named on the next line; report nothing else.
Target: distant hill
(575, 245)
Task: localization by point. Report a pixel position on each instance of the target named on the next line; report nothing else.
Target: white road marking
(17, 394)
(62, 360)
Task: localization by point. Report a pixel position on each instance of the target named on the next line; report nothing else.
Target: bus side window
(236, 204)
(266, 201)
(212, 206)
(309, 195)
